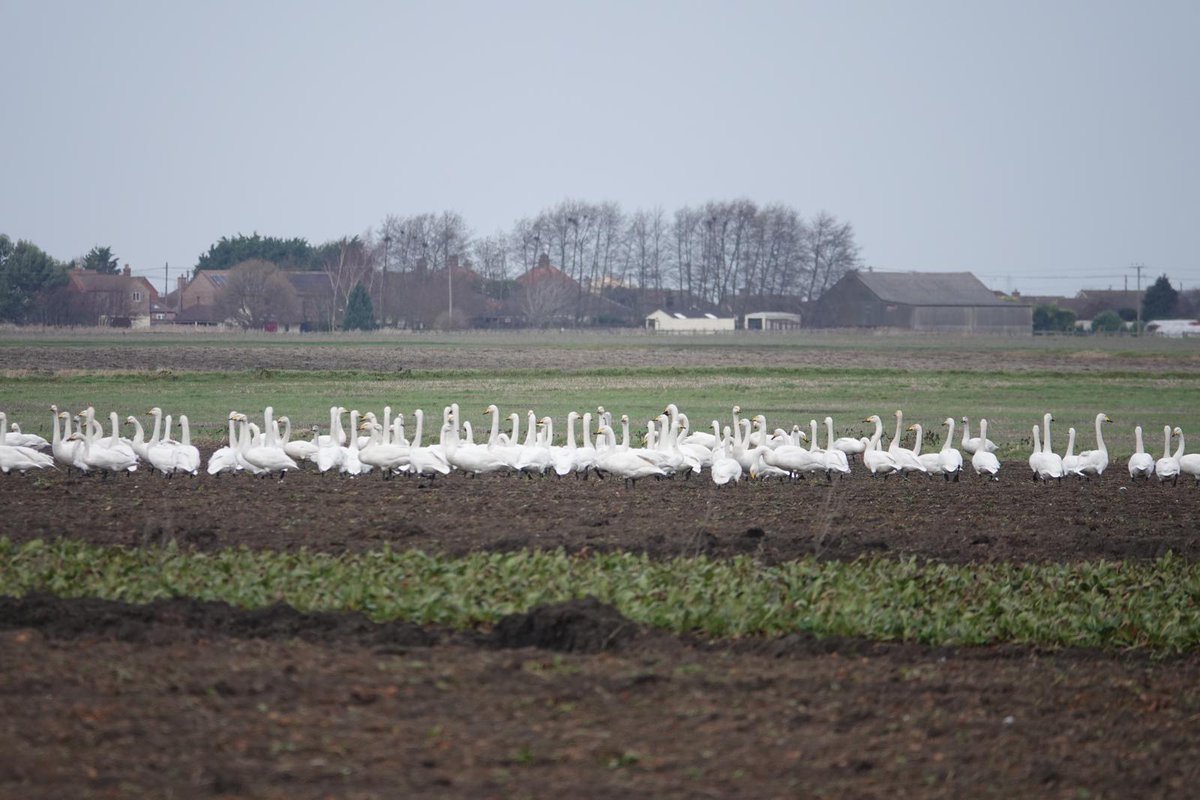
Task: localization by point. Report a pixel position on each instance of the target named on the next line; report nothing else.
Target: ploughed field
(192, 698)
(185, 698)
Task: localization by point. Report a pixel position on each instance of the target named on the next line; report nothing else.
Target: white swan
(106, 459)
(905, 459)
(725, 469)
(224, 459)
(11, 435)
(983, 461)
(972, 444)
(1094, 462)
(300, 449)
(950, 461)
(268, 457)
(468, 457)
(389, 457)
(1070, 460)
(1043, 467)
(425, 460)
(627, 464)
(1141, 463)
(1167, 468)
(1051, 461)
(22, 459)
(1189, 464)
(875, 459)
(836, 459)
(930, 461)
(67, 448)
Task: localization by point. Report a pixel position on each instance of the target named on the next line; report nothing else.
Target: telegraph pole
(1139, 268)
(387, 243)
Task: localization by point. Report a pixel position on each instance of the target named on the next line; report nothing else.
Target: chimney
(181, 283)
(544, 261)
(126, 272)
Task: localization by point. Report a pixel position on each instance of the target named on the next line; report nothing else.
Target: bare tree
(547, 299)
(349, 263)
(256, 293)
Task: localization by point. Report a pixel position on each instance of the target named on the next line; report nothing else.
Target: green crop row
(1103, 605)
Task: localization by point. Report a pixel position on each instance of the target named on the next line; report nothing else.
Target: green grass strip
(1107, 605)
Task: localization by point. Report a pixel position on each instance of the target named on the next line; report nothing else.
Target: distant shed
(951, 302)
(681, 323)
(772, 321)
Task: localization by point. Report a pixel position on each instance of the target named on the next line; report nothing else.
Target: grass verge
(1105, 605)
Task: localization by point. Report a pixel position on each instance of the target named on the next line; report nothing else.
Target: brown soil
(1013, 520)
(979, 355)
(187, 699)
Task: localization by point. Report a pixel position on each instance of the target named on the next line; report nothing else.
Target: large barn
(951, 302)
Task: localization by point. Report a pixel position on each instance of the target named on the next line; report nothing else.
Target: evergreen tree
(360, 315)
(101, 259)
(25, 272)
(287, 253)
(1159, 300)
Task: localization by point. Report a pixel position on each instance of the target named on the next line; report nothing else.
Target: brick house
(121, 300)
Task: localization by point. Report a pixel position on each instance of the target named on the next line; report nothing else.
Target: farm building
(681, 323)
(951, 302)
(772, 321)
(120, 300)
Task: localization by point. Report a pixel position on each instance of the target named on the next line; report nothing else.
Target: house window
(137, 297)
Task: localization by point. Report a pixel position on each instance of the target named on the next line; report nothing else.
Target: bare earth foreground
(188, 699)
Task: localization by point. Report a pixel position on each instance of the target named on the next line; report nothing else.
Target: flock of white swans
(746, 447)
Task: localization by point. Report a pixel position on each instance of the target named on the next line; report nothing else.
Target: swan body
(1168, 467)
(629, 465)
(725, 469)
(224, 459)
(1094, 462)
(905, 459)
(931, 461)
(22, 459)
(983, 461)
(1070, 460)
(877, 460)
(970, 444)
(950, 460)
(1141, 463)
(12, 436)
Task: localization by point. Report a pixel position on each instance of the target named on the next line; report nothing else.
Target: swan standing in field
(224, 459)
(1094, 462)
(930, 461)
(268, 456)
(983, 461)
(1189, 464)
(875, 459)
(1141, 463)
(949, 459)
(725, 469)
(905, 459)
(67, 449)
(106, 459)
(1052, 461)
(1167, 467)
(850, 445)
(970, 444)
(836, 459)
(627, 464)
(423, 460)
(1070, 460)
(389, 457)
(1044, 468)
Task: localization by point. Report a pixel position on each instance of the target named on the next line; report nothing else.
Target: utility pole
(387, 243)
(166, 278)
(1139, 268)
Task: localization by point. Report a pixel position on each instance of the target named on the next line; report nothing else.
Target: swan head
(948, 421)
(284, 418)
(737, 409)
(130, 420)
(491, 410)
(154, 412)
(1105, 418)
(912, 427)
(1178, 431)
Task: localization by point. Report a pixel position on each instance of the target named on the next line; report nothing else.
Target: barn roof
(929, 288)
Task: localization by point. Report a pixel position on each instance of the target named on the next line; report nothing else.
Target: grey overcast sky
(1045, 146)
